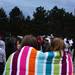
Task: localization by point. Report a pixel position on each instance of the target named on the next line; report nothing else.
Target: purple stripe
(64, 65)
(14, 63)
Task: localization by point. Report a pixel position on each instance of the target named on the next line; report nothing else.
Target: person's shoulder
(1, 41)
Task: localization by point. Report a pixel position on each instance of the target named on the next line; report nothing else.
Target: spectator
(27, 45)
(19, 39)
(67, 45)
(40, 42)
(73, 50)
(2, 55)
(57, 47)
(29, 61)
(29, 40)
(11, 46)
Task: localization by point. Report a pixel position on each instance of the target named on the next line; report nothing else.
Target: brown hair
(29, 40)
(57, 44)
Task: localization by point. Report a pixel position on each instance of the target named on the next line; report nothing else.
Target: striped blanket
(29, 61)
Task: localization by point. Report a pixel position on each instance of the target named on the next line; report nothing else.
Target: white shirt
(2, 51)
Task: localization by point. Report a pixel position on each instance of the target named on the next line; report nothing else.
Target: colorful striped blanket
(29, 61)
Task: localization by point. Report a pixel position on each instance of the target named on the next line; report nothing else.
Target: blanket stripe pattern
(29, 61)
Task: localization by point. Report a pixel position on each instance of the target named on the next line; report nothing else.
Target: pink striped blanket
(29, 61)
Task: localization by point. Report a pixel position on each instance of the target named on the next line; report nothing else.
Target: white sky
(28, 6)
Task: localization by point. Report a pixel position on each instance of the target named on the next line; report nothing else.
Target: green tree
(39, 15)
(3, 20)
(38, 20)
(58, 19)
(2, 13)
(16, 20)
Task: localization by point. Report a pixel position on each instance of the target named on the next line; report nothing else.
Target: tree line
(56, 21)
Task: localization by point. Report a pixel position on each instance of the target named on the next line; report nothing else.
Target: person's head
(39, 41)
(46, 44)
(57, 44)
(29, 40)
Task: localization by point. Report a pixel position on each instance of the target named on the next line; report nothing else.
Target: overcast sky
(28, 6)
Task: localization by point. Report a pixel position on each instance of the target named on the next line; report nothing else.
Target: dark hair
(29, 40)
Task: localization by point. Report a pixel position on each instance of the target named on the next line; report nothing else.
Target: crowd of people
(36, 55)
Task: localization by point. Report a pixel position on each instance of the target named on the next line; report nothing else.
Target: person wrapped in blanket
(57, 45)
(30, 61)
